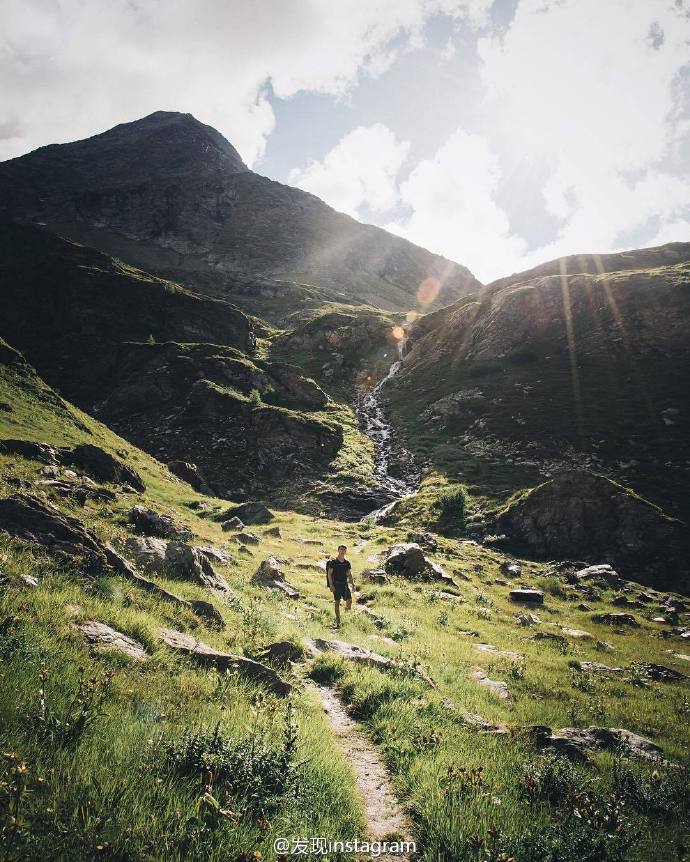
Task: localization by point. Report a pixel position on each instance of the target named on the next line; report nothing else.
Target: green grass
(112, 790)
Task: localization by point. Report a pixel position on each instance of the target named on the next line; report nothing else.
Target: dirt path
(382, 809)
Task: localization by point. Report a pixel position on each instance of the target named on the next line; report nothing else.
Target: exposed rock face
(375, 576)
(152, 524)
(102, 466)
(92, 460)
(210, 657)
(105, 638)
(580, 514)
(269, 574)
(171, 194)
(31, 519)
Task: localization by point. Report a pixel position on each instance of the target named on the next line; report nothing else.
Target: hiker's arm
(350, 578)
(329, 575)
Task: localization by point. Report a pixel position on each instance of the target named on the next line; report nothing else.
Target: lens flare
(428, 290)
(398, 333)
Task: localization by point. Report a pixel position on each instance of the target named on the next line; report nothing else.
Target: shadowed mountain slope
(171, 195)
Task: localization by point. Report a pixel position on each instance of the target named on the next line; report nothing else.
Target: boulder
(209, 657)
(177, 560)
(496, 686)
(578, 634)
(625, 602)
(424, 540)
(253, 513)
(150, 523)
(295, 389)
(531, 597)
(442, 595)
(613, 619)
(550, 636)
(248, 538)
(102, 466)
(511, 568)
(190, 474)
(601, 572)
(105, 638)
(78, 490)
(596, 667)
(269, 575)
(658, 672)
(375, 576)
(408, 561)
(273, 533)
(233, 523)
(574, 742)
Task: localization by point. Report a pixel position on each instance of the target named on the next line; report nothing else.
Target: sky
(499, 133)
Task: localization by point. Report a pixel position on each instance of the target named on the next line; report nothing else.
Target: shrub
(255, 398)
(327, 669)
(450, 505)
(251, 769)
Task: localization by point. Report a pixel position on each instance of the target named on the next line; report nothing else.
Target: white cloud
(677, 231)
(73, 68)
(359, 171)
(589, 87)
(453, 211)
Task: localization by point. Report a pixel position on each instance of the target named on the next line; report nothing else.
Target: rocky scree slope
(171, 195)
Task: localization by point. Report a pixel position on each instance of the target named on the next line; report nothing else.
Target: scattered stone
(358, 654)
(233, 523)
(105, 638)
(273, 532)
(501, 582)
(550, 636)
(209, 657)
(190, 474)
(245, 551)
(625, 602)
(475, 721)
(596, 667)
(527, 619)
(310, 567)
(152, 524)
(317, 542)
(248, 538)
(270, 575)
(532, 597)
(377, 620)
(658, 672)
(505, 653)
(215, 555)
(28, 581)
(495, 686)
(511, 568)
(613, 619)
(681, 655)
(584, 607)
(375, 576)
(444, 596)
(79, 490)
(578, 634)
(604, 646)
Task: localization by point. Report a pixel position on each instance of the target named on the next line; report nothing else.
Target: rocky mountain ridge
(172, 196)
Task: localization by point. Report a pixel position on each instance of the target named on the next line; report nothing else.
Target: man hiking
(339, 577)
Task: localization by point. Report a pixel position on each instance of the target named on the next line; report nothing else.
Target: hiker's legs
(348, 604)
(337, 612)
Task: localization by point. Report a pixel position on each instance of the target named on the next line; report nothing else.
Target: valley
(208, 382)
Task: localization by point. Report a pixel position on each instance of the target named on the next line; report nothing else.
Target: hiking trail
(383, 812)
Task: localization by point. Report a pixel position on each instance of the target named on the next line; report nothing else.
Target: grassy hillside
(99, 747)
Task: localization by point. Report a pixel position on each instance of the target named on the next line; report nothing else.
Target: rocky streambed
(397, 473)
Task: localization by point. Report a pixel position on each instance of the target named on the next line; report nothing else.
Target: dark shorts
(342, 591)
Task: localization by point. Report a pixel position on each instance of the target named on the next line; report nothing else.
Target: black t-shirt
(340, 570)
